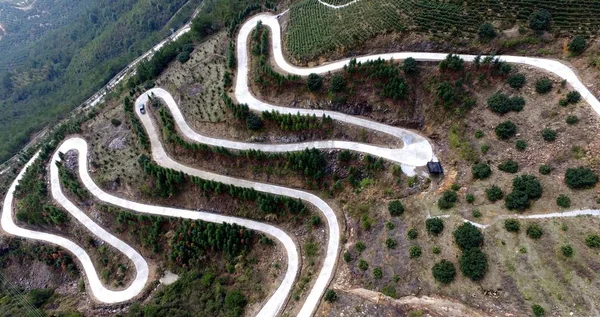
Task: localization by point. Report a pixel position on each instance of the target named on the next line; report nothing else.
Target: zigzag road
(416, 151)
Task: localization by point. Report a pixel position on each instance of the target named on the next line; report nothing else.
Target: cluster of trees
(147, 228)
(481, 170)
(473, 262)
(55, 257)
(151, 68)
(453, 96)
(525, 189)
(243, 113)
(448, 199)
(580, 178)
(193, 239)
(509, 166)
(505, 130)
(502, 103)
(298, 122)
(167, 182)
(136, 124)
(69, 180)
(389, 81)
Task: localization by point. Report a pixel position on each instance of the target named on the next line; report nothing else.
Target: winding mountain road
(416, 151)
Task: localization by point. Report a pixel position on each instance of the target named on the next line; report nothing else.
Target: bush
(512, 225)
(521, 145)
(516, 81)
(436, 250)
(543, 85)
(470, 198)
(363, 265)
(476, 213)
(509, 166)
(434, 226)
(572, 120)
(395, 208)
(473, 264)
(567, 250)
(549, 135)
(494, 193)
(39, 297)
(545, 169)
(412, 234)
(467, 236)
(447, 200)
(534, 231)
(481, 171)
(517, 200)
(338, 83)
(347, 256)
(573, 97)
(502, 103)
(253, 122)
(314, 82)
(390, 243)
(580, 178)
(577, 45)
(444, 272)
(593, 241)
(528, 184)
(115, 122)
(486, 32)
(389, 290)
(377, 273)
(505, 130)
(414, 251)
(360, 246)
(540, 20)
(479, 134)
(563, 201)
(484, 148)
(452, 62)
(410, 66)
(538, 311)
(330, 296)
(455, 187)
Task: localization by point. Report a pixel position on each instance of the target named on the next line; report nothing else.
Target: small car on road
(142, 108)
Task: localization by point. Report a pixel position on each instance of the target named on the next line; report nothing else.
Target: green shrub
(528, 184)
(572, 120)
(253, 122)
(470, 198)
(389, 225)
(434, 226)
(539, 20)
(549, 135)
(473, 264)
(452, 62)
(436, 250)
(517, 200)
(377, 273)
(467, 236)
(330, 296)
(447, 200)
(505, 130)
(534, 231)
(501, 103)
(479, 134)
(410, 67)
(314, 82)
(545, 169)
(347, 256)
(563, 102)
(567, 250)
(444, 272)
(476, 213)
(516, 81)
(486, 32)
(390, 243)
(512, 225)
(39, 297)
(577, 45)
(494, 193)
(593, 241)
(538, 311)
(395, 208)
(521, 145)
(509, 166)
(338, 83)
(484, 148)
(390, 291)
(481, 171)
(543, 85)
(360, 246)
(414, 251)
(115, 122)
(573, 97)
(563, 201)
(412, 234)
(580, 178)
(363, 265)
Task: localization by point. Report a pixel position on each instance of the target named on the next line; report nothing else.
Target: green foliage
(505, 130)
(330, 296)
(543, 85)
(363, 265)
(389, 225)
(538, 311)
(455, 187)
(521, 145)
(444, 272)
(377, 273)
(502, 103)
(534, 231)
(412, 233)
(512, 225)
(314, 82)
(593, 241)
(517, 200)
(410, 67)
(549, 135)
(467, 236)
(567, 250)
(470, 198)
(540, 20)
(136, 124)
(436, 250)
(115, 122)
(389, 290)
(494, 193)
(479, 134)
(481, 171)
(395, 208)
(71, 182)
(580, 178)
(434, 226)
(39, 297)
(473, 264)
(338, 83)
(448, 199)
(545, 169)
(391, 243)
(486, 32)
(577, 45)
(453, 62)
(476, 213)
(298, 122)
(516, 81)
(414, 251)
(484, 148)
(347, 256)
(168, 182)
(360, 247)
(563, 201)
(573, 97)
(509, 166)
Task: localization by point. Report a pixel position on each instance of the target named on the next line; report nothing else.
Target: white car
(142, 108)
